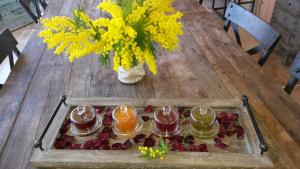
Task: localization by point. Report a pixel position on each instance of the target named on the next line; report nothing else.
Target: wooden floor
(273, 67)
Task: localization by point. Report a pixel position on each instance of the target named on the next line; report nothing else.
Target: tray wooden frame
(52, 158)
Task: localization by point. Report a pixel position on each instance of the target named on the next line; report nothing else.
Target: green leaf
(104, 59)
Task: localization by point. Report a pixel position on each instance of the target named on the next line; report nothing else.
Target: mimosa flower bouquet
(127, 34)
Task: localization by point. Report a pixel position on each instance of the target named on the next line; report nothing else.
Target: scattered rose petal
(232, 116)
(65, 127)
(108, 112)
(240, 132)
(88, 145)
(106, 130)
(99, 109)
(149, 142)
(148, 109)
(107, 121)
(126, 144)
(106, 147)
(202, 148)
(63, 142)
(186, 113)
(221, 145)
(178, 138)
(198, 148)
(112, 135)
(217, 139)
(221, 134)
(180, 111)
(117, 146)
(103, 137)
(178, 147)
(189, 139)
(75, 146)
(145, 118)
(139, 138)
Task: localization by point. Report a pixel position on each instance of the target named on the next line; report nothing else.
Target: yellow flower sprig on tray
(153, 153)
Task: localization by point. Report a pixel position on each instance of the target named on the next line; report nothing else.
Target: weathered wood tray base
(243, 153)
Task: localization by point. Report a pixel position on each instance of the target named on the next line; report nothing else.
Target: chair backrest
(254, 25)
(295, 68)
(7, 44)
(238, 16)
(295, 72)
(25, 2)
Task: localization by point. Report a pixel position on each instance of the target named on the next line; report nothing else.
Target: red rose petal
(186, 113)
(180, 110)
(221, 134)
(202, 148)
(126, 144)
(117, 146)
(240, 132)
(103, 137)
(178, 138)
(107, 121)
(63, 142)
(221, 145)
(65, 127)
(217, 139)
(198, 148)
(232, 116)
(106, 130)
(99, 109)
(75, 146)
(139, 138)
(178, 147)
(149, 142)
(112, 135)
(88, 145)
(145, 118)
(106, 147)
(108, 112)
(149, 109)
(189, 139)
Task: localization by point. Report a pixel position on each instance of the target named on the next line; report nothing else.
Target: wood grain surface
(208, 64)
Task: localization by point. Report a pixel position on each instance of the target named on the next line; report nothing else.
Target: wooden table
(208, 64)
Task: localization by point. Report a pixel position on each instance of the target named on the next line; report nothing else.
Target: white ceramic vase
(133, 75)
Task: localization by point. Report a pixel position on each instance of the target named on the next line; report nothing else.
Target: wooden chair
(237, 16)
(239, 2)
(295, 71)
(8, 45)
(36, 3)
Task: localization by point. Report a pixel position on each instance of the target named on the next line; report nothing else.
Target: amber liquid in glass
(126, 121)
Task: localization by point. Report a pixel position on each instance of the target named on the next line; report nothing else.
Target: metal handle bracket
(39, 143)
(263, 146)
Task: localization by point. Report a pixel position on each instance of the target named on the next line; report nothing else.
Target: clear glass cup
(166, 121)
(84, 117)
(203, 122)
(126, 120)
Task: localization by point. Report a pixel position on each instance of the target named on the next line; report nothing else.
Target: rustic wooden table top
(208, 64)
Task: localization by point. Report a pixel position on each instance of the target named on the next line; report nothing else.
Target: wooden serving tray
(241, 153)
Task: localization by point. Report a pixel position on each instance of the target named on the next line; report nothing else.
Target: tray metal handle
(39, 143)
(263, 146)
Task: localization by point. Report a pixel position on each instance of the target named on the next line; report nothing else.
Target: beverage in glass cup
(125, 119)
(166, 121)
(83, 117)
